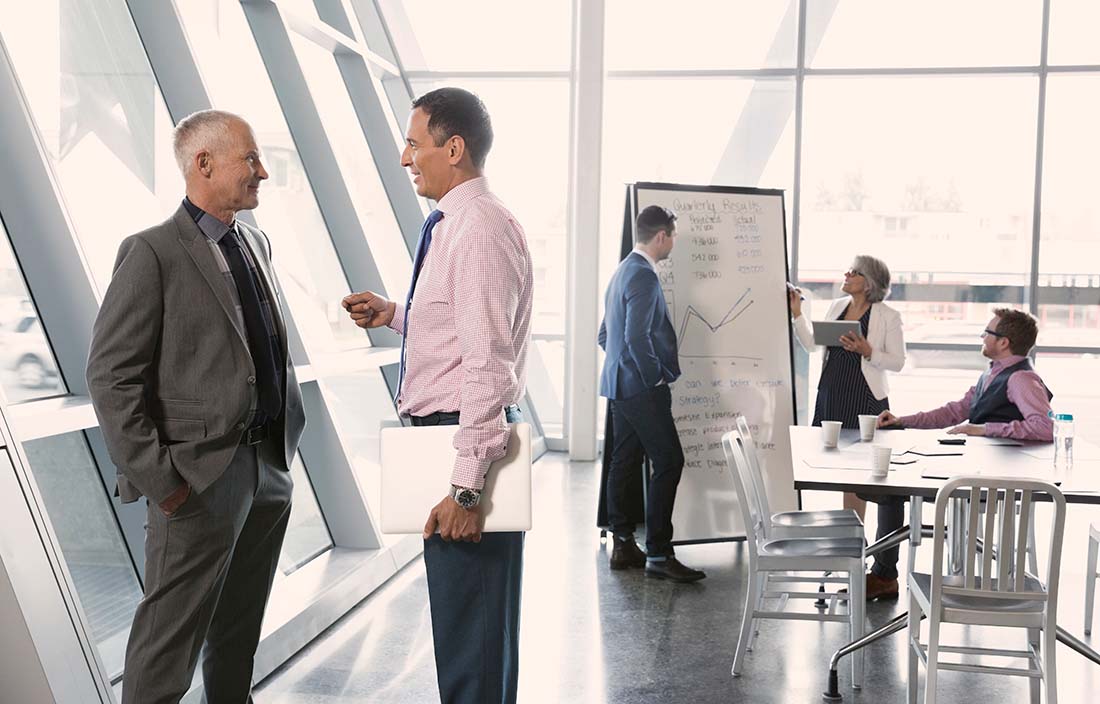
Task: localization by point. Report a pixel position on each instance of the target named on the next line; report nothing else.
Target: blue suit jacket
(636, 332)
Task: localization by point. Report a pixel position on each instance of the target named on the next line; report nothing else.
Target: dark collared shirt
(214, 230)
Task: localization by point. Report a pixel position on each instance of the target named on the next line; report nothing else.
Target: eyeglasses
(994, 333)
(853, 272)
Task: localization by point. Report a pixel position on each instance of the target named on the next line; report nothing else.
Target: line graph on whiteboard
(699, 338)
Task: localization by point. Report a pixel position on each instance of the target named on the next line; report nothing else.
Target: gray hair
(876, 274)
(202, 130)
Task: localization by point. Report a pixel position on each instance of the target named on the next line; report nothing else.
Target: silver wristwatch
(466, 498)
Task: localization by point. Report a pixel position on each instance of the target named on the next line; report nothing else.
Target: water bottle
(1063, 442)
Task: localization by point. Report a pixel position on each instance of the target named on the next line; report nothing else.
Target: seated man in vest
(1009, 401)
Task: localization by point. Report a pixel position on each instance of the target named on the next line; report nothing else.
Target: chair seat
(813, 547)
(923, 582)
(816, 519)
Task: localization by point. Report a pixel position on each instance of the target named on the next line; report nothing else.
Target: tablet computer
(416, 473)
(827, 333)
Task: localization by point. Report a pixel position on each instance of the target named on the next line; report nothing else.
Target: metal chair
(839, 523)
(1091, 575)
(772, 561)
(992, 588)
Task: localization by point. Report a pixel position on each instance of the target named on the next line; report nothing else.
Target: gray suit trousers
(208, 574)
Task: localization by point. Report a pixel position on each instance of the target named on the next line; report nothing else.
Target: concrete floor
(593, 636)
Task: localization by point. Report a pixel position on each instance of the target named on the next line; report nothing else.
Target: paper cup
(867, 427)
(880, 460)
(830, 432)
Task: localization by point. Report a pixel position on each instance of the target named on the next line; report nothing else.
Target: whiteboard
(725, 285)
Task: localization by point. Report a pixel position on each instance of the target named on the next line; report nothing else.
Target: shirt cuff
(397, 324)
(469, 472)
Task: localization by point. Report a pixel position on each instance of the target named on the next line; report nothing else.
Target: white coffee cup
(880, 460)
(867, 427)
(830, 432)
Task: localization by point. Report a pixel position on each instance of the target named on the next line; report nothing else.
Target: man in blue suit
(640, 364)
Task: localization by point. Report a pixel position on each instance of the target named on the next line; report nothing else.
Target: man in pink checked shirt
(1008, 401)
(466, 329)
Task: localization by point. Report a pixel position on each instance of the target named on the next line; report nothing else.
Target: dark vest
(990, 403)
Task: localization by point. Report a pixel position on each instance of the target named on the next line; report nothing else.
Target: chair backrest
(749, 448)
(742, 483)
(998, 570)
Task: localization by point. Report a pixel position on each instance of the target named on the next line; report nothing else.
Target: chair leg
(1090, 583)
(1034, 683)
(1032, 557)
(1050, 664)
(751, 587)
(762, 587)
(912, 639)
(857, 602)
(933, 656)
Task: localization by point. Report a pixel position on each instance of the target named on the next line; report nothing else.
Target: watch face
(467, 498)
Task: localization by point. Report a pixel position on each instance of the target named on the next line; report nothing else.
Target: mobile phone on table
(952, 441)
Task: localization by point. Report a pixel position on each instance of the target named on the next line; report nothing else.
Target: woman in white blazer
(853, 377)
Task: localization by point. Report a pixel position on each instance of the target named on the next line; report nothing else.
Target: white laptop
(416, 473)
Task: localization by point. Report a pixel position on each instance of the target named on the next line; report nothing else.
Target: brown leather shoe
(880, 587)
(626, 554)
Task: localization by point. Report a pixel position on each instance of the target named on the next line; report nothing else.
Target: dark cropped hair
(1019, 327)
(454, 111)
(652, 220)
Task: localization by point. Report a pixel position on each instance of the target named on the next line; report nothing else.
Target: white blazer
(883, 334)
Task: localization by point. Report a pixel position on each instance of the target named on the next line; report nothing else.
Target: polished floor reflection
(594, 636)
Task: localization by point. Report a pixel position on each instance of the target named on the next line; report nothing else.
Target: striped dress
(842, 392)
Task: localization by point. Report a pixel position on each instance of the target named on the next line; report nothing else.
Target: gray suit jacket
(169, 371)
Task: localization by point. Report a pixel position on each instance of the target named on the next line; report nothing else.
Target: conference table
(919, 467)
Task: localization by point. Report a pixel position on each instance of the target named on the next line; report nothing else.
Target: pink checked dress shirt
(469, 326)
(1025, 390)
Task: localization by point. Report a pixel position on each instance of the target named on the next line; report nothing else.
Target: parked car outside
(24, 351)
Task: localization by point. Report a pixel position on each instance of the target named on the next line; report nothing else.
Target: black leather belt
(437, 418)
(443, 417)
(256, 435)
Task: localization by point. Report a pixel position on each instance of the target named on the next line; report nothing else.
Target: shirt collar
(649, 259)
(456, 198)
(1000, 364)
(213, 228)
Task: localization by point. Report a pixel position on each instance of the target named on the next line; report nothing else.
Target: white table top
(847, 467)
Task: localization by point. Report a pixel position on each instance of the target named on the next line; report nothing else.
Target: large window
(480, 35)
(934, 175)
(1073, 26)
(307, 535)
(27, 366)
(101, 117)
(918, 144)
(304, 257)
(931, 33)
(700, 34)
(356, 163)
(653, 131)
(84, 523)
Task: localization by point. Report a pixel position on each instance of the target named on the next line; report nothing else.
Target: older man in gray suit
(196, 396)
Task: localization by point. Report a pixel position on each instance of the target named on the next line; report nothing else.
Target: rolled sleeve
(946, 415)
(397, 324)
(490, 285)
(1027, 392)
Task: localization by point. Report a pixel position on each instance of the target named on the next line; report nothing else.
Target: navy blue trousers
(643, 425)
(474, 591)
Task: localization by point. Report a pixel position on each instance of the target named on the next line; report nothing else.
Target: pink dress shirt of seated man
(1009, 400)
